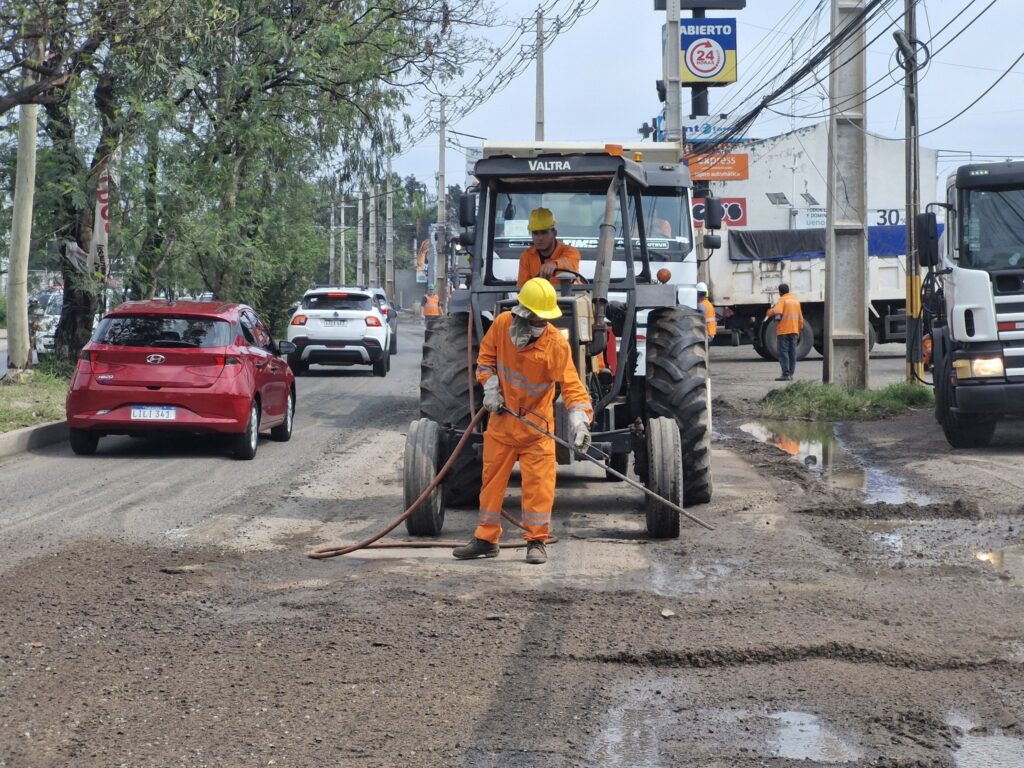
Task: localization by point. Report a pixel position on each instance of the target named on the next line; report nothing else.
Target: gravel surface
(159, 610)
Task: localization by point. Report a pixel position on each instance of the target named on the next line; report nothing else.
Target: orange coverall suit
(709, 318)
(527, 378)
(565, 256)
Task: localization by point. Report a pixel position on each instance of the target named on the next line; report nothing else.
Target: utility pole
(907, 43)
(344, 267)
(374, 277)
(359, 242)
(330, 252)
(389, 239)
(672, 75)
(539, 132)
(442, 223)
(846, 246)
(19, 353)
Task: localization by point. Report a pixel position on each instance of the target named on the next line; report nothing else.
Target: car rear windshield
(337, 301)
(163, 331)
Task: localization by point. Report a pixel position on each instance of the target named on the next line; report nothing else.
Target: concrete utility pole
(19, 353)
(442, 223)
(389, 239)
(539, 132)
(359, 242)
(907, 45)
(846, 254)
(672, 75)
(374, 276)
(330, 250)
(343, 275)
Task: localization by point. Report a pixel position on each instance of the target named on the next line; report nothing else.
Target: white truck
(973, 300)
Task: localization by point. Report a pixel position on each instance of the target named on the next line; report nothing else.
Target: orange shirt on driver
(564, 257)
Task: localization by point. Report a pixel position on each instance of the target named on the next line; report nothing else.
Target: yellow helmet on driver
(538, 296)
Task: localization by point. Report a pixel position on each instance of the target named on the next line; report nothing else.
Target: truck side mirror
(927, 234)
(712, 242)
(713, 213)
(467, 236)
(467, 210)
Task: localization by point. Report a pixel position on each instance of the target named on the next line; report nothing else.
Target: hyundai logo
(155, 359)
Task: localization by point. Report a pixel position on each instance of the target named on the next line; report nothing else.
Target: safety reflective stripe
(488, 516)
(485, 369)
(536, 518)
(519, 380)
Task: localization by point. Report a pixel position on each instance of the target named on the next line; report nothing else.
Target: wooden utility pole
(442, 222)
(373, 279)
(539, 130)
(19, 352)
(846, 254)
(389, 239)
(908, 47)
(359, 242)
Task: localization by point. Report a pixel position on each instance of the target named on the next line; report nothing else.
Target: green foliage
(805, 400)
(35, 401)
(3, 311)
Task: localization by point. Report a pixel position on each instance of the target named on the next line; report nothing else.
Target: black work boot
(476, 548)
(536, 553)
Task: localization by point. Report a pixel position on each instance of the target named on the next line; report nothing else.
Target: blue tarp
(803, 244)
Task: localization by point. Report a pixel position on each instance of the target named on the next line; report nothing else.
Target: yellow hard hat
(541, 219)
(538, 296)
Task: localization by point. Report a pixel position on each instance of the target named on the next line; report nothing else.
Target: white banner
(98, 260)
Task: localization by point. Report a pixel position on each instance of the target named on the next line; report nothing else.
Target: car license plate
(334, 322)
(154, 413)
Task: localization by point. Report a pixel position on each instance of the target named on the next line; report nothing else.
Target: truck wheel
(444, 398)
(961, 431)
(620, 463)
(421, 463)
(759, 344)
(804, 344)
(677, 388)
(665, 478)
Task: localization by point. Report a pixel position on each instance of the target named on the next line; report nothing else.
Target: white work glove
(579, 425)
(493, 401)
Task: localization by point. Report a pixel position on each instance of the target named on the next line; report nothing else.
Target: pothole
(815, 445)
(802, 736)
(632, 730)
(982, 748)
(1008, 561)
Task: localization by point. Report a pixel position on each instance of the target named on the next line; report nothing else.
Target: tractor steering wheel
(560, 273)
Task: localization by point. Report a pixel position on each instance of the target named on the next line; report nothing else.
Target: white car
(340, 326)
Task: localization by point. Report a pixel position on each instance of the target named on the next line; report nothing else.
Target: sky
(600, 78)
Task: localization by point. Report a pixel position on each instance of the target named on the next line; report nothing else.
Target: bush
(826, 402)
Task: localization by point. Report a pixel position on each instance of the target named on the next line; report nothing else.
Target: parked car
(45, 317)
(187, 366)
(340, 326)
(390, 312)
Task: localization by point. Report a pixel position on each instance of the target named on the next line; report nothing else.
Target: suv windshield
(578, 219)
(163, 331)
(993, 229)
(357, 301)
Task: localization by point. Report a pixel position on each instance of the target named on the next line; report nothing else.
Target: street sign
(707, 51)
(719, 166)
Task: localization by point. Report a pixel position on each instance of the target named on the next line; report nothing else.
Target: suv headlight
(979, 368)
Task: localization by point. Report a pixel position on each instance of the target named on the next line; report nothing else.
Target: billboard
(707, 51)
(734, 211)
(719, 166)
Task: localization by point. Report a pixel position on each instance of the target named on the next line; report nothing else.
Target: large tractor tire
(677, 388)
(665, 478)
(444, 399)
(421, 463)
(961, 431)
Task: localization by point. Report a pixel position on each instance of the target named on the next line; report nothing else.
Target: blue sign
(707, 51)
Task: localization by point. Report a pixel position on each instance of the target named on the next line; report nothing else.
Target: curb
(28, 438)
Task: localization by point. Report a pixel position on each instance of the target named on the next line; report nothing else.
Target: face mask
(536, 331)
(520, 331)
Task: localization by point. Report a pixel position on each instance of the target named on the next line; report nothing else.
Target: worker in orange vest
(431, 306)
(710, 320)
(789, 322)
(548, 254)
(522, 357)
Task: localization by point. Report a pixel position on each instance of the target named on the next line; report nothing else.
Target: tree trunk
(18, 350)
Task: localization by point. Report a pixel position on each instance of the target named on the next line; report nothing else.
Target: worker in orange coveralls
(547, 255)
(522, 358)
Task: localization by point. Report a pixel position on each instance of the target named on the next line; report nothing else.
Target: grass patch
(826, 402)
(38, 400)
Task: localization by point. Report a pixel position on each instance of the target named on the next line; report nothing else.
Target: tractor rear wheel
(421, 463)
(677, 388)
(444, 399)
(665, 478)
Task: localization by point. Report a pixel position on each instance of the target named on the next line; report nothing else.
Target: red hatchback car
(186, 366)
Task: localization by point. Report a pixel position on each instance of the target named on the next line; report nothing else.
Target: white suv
(340, 326)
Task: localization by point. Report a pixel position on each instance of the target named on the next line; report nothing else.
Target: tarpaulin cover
(800, 244)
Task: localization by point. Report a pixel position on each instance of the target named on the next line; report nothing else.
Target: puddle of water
(631, 731)
(815, 445)
(801, 736)
(670, 582)
(984, 751)
(1008, 560)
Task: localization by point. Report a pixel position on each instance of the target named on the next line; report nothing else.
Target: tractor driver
(522, 357)
(547, 255)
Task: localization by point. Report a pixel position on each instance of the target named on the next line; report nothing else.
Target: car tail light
(90, 362)
(232, 366)
(299, 320)
(229, 365)
(373, 321)
(85, 362)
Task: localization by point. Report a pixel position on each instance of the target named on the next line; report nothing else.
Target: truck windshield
(993, 229)
(578, 218)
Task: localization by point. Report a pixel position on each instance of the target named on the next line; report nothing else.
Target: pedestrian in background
(789, 321)
(431, 306)
(710, 320)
